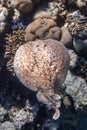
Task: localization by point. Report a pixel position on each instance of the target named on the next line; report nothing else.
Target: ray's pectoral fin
(42, 98)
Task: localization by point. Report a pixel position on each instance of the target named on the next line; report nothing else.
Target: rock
(76, 22)
(77, 88)
(42, 67)
(73, 58)
(21, 117)
(82, 5)
(52, 9)
(7, 126)
(3, 114)
(66, 37)
(75, 84)
(23, 5)
(67, 101)
(3, 16)
(80, 46)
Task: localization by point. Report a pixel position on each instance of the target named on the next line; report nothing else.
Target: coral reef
(42, 67)
(39, 28)
(78, 91)
(13, 41)
(44, 28)
(3, 16)
(32, 20)
(7, 126)
(21, 116)
(82, 5)
(25, 6)
(80, 46)
(66, 37)
(77, 24)
(76, 86)
(7, 3)
(3, 114)
(51, 9)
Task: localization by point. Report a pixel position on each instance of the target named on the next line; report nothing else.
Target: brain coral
(40, 29)
(42, 67)
(45, 28)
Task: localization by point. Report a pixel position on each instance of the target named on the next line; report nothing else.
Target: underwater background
(23, 21)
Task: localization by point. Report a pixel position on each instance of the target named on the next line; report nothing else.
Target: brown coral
(82, 5)
(45, 28)
(66, 37)
(51, 9)
(25, 6)
(13, 41)
(42, 66)
(42, 29)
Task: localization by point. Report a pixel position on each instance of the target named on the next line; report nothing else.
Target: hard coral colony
(42, 67)
(33, 37)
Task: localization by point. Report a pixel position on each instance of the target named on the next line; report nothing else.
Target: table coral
(42, 67)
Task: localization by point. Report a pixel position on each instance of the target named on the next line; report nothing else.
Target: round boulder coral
(42, 67)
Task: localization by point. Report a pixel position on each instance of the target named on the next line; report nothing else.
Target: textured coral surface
(31, 20)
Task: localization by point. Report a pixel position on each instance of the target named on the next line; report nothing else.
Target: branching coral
(42, 67)
(13, 41)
